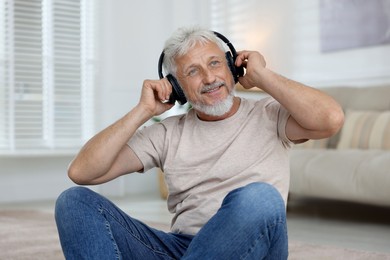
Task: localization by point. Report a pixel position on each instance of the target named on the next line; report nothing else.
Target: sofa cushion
(365, 130)
(374, 98)
(357, 129)
(361, 98)
(380, 133)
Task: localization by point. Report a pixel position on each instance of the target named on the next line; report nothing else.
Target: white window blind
(235, 19)
(47, 67)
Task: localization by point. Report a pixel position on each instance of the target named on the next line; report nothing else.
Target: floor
(314, 221)
(341, 224)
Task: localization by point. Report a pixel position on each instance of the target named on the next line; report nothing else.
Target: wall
(32, 177)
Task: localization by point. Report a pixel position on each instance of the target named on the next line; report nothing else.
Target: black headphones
(177, 92)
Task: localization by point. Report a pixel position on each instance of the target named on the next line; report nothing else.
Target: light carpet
(30, 235)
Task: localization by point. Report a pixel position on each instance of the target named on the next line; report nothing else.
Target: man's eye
(215, 63)
(192, 72)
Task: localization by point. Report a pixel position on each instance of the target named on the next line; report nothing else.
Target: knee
(258, 211)
(70, 197)
(258, 200)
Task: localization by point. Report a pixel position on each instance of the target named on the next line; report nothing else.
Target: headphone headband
(160, 63)
(228, 43)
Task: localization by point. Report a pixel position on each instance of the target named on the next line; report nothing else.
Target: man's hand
(254, 63)
(153, 96)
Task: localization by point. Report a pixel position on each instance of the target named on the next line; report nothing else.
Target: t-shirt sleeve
(283, 116)
(148, 143)
(276, 112)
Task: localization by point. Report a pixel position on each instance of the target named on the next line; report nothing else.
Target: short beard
(218, 109)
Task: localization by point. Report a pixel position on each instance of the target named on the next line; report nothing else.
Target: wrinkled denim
(251, 224)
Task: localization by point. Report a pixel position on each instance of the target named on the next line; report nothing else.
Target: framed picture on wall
(349, 24)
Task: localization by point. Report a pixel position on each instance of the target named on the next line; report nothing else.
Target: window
(47, 67)
(235, 19)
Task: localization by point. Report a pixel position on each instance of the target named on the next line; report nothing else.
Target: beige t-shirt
(203, 161)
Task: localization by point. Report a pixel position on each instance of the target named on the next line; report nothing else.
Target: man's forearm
(97, 156)
(311, 108)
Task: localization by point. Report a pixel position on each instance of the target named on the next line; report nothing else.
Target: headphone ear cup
(177, 92)
(232, 67)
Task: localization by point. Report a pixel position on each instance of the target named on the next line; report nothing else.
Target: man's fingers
(167, 89)
(242, 56)
(162, 88)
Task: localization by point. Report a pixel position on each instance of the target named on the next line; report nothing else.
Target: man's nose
(208, 76)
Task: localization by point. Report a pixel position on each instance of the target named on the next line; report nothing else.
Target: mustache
(214, 85)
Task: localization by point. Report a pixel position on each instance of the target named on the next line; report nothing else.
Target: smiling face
(206, 79)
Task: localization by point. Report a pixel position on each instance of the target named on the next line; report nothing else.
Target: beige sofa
(353, 165)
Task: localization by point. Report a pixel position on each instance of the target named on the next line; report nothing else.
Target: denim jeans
(251, 224)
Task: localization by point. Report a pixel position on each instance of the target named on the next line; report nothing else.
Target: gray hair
(182, 40)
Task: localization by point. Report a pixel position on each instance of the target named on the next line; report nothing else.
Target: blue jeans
(251, 224)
